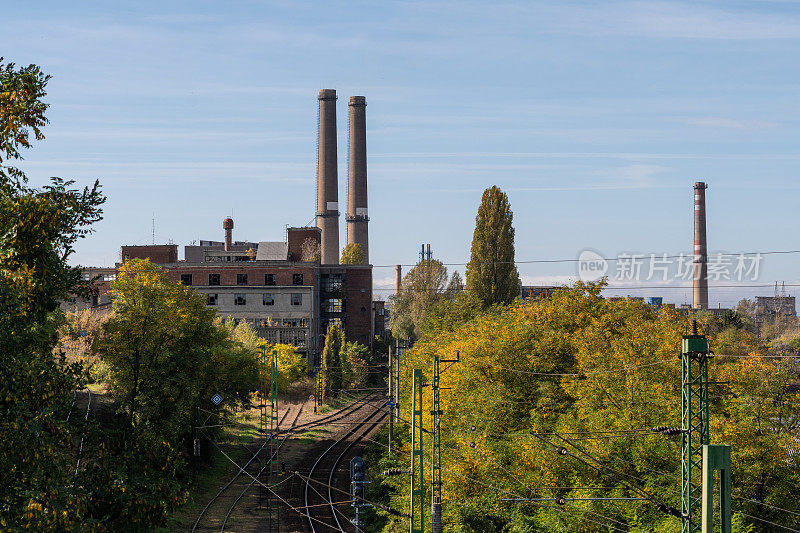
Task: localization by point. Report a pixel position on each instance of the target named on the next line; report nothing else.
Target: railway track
(328, 462)
(83, 436)
(253, 477)
(236, 476)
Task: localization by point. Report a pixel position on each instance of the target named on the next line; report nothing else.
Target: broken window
(241, 279)
(239, 299)
(297, 279)
(269, 279)
(213, 279)
(212, 299)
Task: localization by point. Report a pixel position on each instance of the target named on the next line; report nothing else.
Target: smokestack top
(358, 101)
(227, 223)
(700, 185)
(327, 94)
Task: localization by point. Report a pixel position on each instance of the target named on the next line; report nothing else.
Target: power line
(609, 259)
(579, 375)
(787, 528)
(612, 287)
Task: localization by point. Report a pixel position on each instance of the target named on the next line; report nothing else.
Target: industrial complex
(289, 291)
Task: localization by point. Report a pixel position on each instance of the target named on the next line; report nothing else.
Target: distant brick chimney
(227, 225)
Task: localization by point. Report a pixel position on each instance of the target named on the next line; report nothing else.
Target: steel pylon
(694, 419)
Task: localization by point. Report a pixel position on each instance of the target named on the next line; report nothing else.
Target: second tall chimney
(357, 217)
(700, 286)
(328, 179)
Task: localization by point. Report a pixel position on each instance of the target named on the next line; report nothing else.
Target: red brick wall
(358, 322)
(157, 253)
(296, 238)
(255, 273)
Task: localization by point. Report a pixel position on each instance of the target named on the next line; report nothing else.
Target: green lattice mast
(694, 418)
(268, 392)
(417, 475)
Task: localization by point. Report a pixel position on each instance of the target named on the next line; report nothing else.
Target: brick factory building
(268, 285)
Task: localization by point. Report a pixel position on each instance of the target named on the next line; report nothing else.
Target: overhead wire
(578, 375)
(609, 259)
(511, 493)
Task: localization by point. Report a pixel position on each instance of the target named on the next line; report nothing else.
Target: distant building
(380, 319)
(538, 292)
(776, 306)
(99, 279)
(654, 301)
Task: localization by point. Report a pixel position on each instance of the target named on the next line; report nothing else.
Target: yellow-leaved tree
(557, 399)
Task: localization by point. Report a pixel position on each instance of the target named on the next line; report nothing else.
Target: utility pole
(274, 471)
(316, 388)
(436, 448)
(268, 391)
(391, 401)
(694, 415)
(320, 392)
(397, 353)
(417, 475)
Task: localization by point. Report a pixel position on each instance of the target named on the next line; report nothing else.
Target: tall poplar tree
(332, 359)
(491, 273)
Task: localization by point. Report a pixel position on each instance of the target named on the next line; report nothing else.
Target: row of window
(295, 337)
(331, 282)
(105, 277)
(270, 322)
(268, 298)
(241, 279)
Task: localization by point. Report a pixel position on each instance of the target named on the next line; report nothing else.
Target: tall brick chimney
(227, 225)
(700, 286)
(328, 179)
(357, 217)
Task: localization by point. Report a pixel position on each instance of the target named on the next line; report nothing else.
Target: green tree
(354, 358)
(352, 254)
(165, 351)
(491, 272)
(422, 286)
(332, 360)
(38, 231)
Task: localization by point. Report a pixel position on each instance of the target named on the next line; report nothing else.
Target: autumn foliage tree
(38, 230)
(491, 272)
(332, 359)
(352, 254)
(422, 287)
(557, 398)
(165, 351)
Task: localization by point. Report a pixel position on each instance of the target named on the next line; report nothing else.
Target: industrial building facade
(285, 300)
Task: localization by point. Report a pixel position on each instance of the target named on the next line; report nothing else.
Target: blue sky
(595, 118)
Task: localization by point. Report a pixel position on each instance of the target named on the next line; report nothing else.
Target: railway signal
(357, 480)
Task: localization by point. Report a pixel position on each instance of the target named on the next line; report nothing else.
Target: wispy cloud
(728, 123)
(675, 20)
